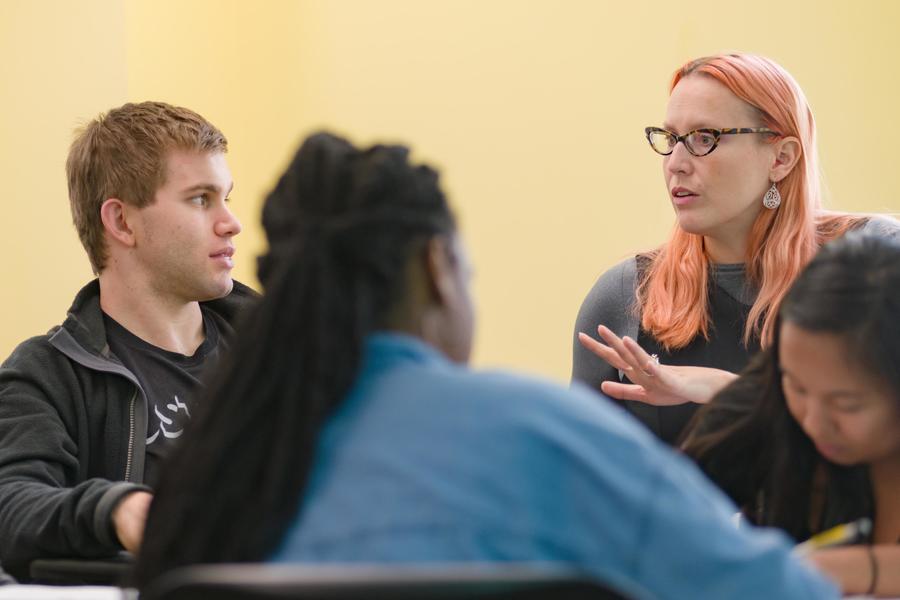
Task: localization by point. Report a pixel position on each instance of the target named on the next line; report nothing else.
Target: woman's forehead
(701, 101)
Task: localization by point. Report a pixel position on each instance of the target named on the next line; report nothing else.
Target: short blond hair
(122, 154)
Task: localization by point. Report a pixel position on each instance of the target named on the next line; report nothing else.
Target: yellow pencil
(842, 534)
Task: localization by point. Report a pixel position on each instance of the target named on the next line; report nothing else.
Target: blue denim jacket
(430, 461)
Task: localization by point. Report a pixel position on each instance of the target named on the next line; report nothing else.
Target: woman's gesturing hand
(653, 383)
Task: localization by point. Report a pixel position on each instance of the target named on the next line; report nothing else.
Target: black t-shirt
(171, 381)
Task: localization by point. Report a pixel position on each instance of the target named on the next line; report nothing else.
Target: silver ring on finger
(653, 358)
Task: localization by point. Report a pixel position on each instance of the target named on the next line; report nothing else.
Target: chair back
(377, 582)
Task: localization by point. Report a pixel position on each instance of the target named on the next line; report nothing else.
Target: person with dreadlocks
(346, 427)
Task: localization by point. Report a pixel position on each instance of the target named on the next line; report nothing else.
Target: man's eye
(199, 200)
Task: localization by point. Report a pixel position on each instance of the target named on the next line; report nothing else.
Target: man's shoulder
(37, 361)
(80, 330)
(41, 355)
(36, 350)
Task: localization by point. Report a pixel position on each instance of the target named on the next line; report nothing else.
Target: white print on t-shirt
(164, 420)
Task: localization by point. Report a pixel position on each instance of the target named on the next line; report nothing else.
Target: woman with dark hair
(809, 436)
(346, 428)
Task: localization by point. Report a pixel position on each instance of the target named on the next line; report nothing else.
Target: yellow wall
(60, 64)
(533, 110)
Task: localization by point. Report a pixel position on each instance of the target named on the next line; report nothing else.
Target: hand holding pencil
(848, 533)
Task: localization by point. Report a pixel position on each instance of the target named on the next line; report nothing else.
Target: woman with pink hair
(739, 159)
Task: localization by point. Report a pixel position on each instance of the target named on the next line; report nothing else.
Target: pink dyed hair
(672, 296)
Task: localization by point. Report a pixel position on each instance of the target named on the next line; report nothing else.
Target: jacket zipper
(130, 437)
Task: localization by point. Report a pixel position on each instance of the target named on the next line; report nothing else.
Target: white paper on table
(59, 592)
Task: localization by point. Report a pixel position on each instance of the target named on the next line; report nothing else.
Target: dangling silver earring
(772, 199)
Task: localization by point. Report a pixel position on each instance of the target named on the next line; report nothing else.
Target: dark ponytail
(342, 224)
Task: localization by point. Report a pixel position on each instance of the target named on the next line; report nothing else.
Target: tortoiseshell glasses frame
(698, 142)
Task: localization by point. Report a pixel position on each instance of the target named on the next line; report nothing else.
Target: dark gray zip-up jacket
(73, 424)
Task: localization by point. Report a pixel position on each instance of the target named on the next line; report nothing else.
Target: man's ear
(787, 153)
(115, 216)
(439, 270)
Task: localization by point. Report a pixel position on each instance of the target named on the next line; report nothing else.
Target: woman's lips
(683, 196)
(829, 451)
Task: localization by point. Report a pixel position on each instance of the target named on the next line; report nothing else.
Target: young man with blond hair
(89, 410)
